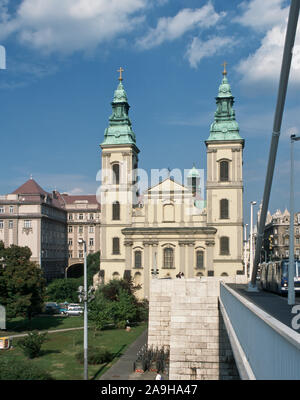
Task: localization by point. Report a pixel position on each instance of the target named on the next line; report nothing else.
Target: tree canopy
(22, 285)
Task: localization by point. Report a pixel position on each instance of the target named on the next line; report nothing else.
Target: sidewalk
(123, 368)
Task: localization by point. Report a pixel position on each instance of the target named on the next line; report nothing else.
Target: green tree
(61, 290)
(32, 344)
(22, 286)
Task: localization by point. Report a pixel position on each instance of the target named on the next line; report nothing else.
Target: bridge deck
(273, 304)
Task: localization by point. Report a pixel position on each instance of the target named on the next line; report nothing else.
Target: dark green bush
(32, 343)
(95, 356)
(21, 370)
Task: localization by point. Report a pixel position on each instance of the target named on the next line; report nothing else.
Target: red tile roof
(70, 199)
(30, 187)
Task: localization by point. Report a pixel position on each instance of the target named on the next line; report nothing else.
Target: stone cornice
(170, 230)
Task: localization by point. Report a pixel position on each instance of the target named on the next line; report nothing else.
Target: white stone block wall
(184, 317)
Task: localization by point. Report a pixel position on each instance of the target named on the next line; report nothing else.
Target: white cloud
(200, 49)
(262, 15)
(171, 28)
(263, 66)
(70, 25)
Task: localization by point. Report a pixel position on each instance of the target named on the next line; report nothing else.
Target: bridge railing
(263, 347)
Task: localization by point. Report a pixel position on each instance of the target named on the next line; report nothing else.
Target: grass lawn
(43, 322)
(58, 352)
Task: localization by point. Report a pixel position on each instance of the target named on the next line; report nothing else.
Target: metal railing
(263, 347)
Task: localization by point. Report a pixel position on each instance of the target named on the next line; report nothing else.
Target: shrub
(95, 356)
(32, 343)
(21, 370)
(121, 324)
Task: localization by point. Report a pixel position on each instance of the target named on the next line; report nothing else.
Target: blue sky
(62, 61)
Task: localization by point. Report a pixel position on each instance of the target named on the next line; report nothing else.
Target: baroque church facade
(168, 229)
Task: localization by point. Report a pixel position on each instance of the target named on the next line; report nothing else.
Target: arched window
(224, 245)
(137, 279)
(168, 258)
(116, 275)
(224, 171)
(224, 274)
(116, 245)
(199, 274)
(116, 211)
(116, 174)
(138, 259)
(200, 259)
(224, 209)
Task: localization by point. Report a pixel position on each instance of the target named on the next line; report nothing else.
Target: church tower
(118, 185)
(224, 186)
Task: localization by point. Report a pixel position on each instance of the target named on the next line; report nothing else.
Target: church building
(169, 229)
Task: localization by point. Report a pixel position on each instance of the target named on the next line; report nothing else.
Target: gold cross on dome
(224, 65)
(120, 70)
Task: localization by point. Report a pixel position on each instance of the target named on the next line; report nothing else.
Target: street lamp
(291, 286)
(85, 315)
(251, 238)
(245, 250)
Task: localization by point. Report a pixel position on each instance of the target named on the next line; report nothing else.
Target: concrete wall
(184, 317)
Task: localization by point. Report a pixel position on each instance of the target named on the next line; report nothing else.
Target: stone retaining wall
(184, 317)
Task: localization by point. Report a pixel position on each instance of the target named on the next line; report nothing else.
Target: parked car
(51, 308)
(75, 310)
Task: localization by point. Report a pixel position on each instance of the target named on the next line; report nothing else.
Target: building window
(287, 253)
(80, 253)
(70, 216)
(297, 240)
(224, 209)
(70, 254)
(27, 224)
(10, 224)
(224, 171)
(224, 245)
(116, 211)
(297, 253)
(116, 174)
(91, 229)
(1, 224)
(1, 210)
(168, 258)
(11, 209)
(116, 245)
(116, 275)
(200, 259)
(275, 231)
(91, 241)
(70, 229)
(286, 241)
(224, 274)
(138, 259)
(91, 216)
(80, 229)
(297, 231)
(70, 242)
(80, 216)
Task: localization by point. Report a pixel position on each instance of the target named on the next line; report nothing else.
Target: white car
(75, 310)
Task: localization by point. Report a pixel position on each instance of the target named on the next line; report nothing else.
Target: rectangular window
(70, 254)
(116, 246)
(11, 209)
(81, 216)
(297, 240)
(70, 242)
(224, 246)
(70, 229)
(287, 253)
(27, 224)
(91, 216)
(80, 229)
(91, 241)
(10, 224)
(70, 216)
(1, 210)
(80, 253)
(297, 252)
(1, 224)
(91, 229)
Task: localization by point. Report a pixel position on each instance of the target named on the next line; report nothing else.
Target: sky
(62, 58)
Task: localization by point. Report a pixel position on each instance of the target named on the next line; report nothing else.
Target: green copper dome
(119, 130)
(225, 126)
(193, 173)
